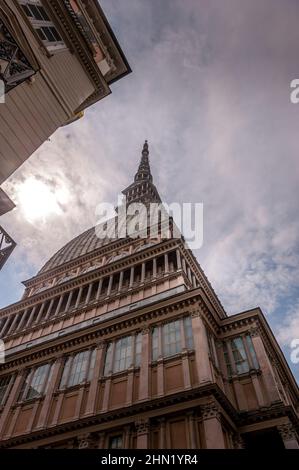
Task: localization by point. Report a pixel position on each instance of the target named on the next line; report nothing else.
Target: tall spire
(144, 170)
(142, 189)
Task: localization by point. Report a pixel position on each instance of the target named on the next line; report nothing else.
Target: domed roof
(84, 243)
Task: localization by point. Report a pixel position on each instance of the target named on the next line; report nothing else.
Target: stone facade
(124, 343)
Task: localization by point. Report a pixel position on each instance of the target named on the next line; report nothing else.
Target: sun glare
(38, 200)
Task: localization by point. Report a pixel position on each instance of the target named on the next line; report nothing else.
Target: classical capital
(142, 426)
(254, 331)
(287, 431)
(210, 410)
(87, 441)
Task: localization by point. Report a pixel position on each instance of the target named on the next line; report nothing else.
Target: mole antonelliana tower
(123, 343)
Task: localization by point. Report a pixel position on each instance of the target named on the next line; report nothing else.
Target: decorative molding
(142, 426)
(210, 410)
(287, 431)
(238, 441)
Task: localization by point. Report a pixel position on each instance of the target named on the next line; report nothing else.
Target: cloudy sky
(210, 90)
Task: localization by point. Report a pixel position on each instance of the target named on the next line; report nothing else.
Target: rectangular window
(5, 385)
(138, 347)
(252, 351)
(155, 343)
(116, 442)
(35, 383)
(78, 368)
(172, 342)
(171, 338)
(241, 361)
(188, 332)
(123, 354)
(41, 22)
(239, 355)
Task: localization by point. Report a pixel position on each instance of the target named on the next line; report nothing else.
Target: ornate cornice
(91, 424)
(85, 278)
(133, 319)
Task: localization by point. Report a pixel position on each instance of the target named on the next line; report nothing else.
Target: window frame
(158, 349)
(40, 24)
(71, 369)
(230, 358)
(29, 378)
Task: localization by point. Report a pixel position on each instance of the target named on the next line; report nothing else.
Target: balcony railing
(7, 245)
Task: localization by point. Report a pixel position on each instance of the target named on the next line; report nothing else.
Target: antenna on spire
(145, 147)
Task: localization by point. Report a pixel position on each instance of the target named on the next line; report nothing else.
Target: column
(265, 366)
(58, 306)
(142, 427)
(162, 434)
(127, 437)
(178, 259)
(79, 297)
(212, 426)
(6, 326)
(166, 264)
(144, 367)
(12, 398)
(201, 347)
(288, 435)
(88, 293)
(99, 289)
(154, 267)
(49, 309)
(120, 283)
(13, 324)
(40, 313)
(185, 358)
(31, 317)
(110, 285)
(191, 427)
(23, 319)
(131, 276)
(68, 303)
(94, 383)
(142, 273)
(43, 417)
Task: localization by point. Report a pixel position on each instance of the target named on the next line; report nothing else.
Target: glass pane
(252, 351)
(239, 354)
(37, 382)
(92, 365)
(48, 33)
(4, 384)
(108, 360)
(155, 343)
(138, 347)
(43, 13)
(123, 354)
(35, 12)
(116, 442)
(188, 332)
(65, 372)
(172, 338)
(55, 34)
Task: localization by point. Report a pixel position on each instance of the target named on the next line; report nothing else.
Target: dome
(84, 243)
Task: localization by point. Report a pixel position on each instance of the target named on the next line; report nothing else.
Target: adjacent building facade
(57, 57)
(123, 343)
